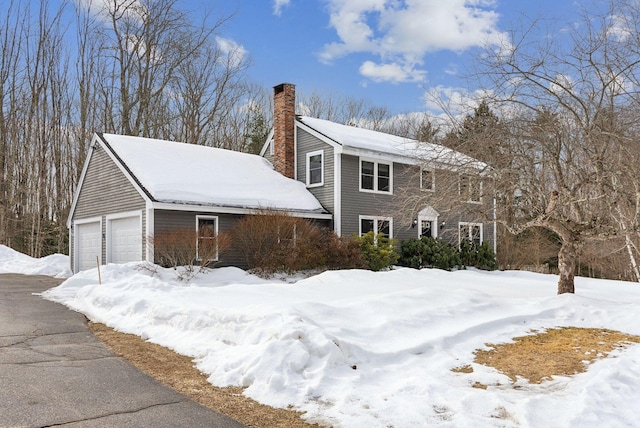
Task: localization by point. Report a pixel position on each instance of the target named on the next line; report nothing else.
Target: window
(315, 170)
(470, 188)
(207, 243)
(271, 147)
(377, 225)
(427, 181)
(471, 232)
(376, 176)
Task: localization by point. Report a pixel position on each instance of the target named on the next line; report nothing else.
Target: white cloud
(453, 100)
(401, 33)
(278, 5)
(103, 9)
(394, 73)
(234, 52)
(619, 28)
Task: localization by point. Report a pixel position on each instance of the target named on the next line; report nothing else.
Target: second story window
(315, 171)
(470, 188)
(427, 181)
(376, 176)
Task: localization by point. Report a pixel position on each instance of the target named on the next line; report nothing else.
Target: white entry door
(125, 240)
(88, 245)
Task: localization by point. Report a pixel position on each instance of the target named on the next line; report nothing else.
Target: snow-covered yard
(364, 349)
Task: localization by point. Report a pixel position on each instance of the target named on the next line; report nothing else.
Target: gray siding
(356, 203)
(405, 178)
(105, 190)
(307, 143)
(165, 220)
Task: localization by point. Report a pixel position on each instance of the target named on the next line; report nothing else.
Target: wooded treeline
(135, 67)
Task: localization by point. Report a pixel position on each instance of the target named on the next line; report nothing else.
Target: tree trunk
(566, 265)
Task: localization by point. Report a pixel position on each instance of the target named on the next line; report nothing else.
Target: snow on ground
(363, 349)
(12, 261)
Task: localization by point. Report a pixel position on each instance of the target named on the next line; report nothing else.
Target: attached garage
(88, 248)
(124, 238)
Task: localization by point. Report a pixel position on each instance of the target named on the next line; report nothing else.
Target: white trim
(109, 218)
(206, 217)
(376, 165)
(124, 171)
(308, 168)
(470, 223)
(376, 219)
(495, 228)
(295, 150)
(265, 145)
(97, 219)
(76, 193)
(149, 232)
(428, 214)
(433, 179)
(319, 136)
(337, 193)
(233, 210)
(468, 199)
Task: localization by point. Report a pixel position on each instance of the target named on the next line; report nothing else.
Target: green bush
(428, 252)
(486, 258)
(378, 251)
(434, 253)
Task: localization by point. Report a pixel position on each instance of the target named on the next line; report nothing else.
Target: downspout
(495, 227)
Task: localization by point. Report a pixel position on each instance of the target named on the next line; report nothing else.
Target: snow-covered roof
(365, 139)
(191, 174)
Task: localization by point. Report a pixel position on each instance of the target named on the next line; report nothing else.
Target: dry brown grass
(554, 352)
(178, 372)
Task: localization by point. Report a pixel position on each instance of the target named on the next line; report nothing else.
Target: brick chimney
(284, 103)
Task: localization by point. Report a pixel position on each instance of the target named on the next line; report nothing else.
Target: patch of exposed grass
(556, 352)
(177, 372)
(463, 369)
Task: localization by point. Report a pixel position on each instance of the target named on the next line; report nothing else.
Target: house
(347, 178)
(360, 175)
(132, 188)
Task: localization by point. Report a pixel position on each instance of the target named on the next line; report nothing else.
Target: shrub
(486, 258)
(428, 252)
(341, 252)
(378, 251)
(271, 241)
(435, 253)
(179, 249)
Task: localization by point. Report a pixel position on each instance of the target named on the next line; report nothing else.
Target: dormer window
(376, 176)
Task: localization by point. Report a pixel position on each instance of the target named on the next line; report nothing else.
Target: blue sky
(388, 52)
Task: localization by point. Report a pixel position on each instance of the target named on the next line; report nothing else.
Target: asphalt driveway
(54, 372)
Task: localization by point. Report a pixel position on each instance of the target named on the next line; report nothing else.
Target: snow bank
(56, 265)
(364, 349)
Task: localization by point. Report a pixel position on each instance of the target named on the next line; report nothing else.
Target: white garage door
(125, 243)
(89, 245)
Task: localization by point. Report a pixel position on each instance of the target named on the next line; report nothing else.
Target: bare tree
(571, 154)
